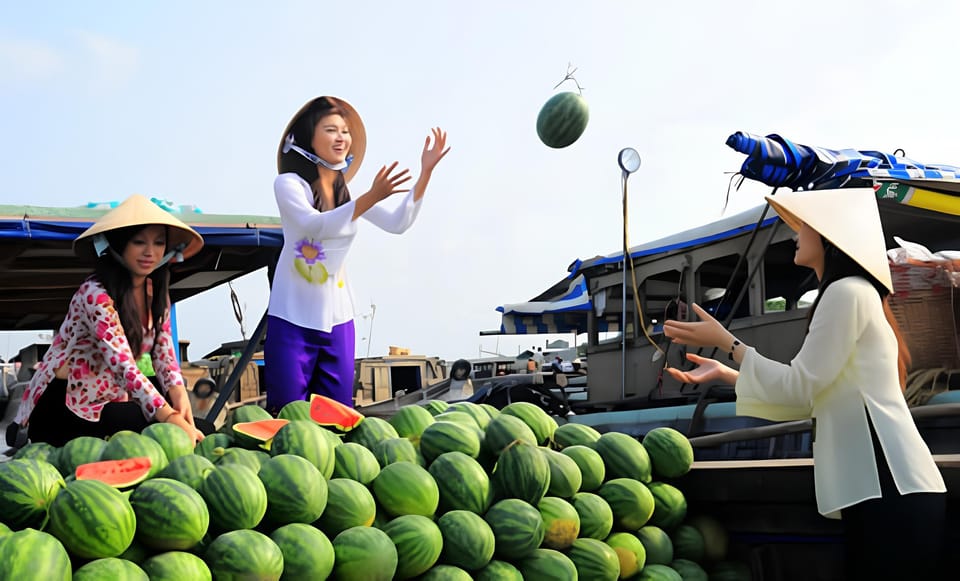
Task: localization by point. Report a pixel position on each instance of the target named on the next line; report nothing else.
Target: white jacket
(846, 368)
(310, 285)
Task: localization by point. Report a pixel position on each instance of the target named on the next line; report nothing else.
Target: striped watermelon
(630, 552)
(191, 470)
(419, 542)
(446, 573)
(548, 564)
(172, 438)
(670, 506)
(503, 430)
(410, 421)
(39, 451)
(27, 489)
(658, 572)
(307, 552)
(671, 454)
(32, 554)
(176, 566)
(242, 456)
(517, 527)
(592, 470)
(658, 545)
(442, 437)
(468, 540)
(235, 497)
(355, 462)
(364, 554)
(491, 411)
(406, 488)
(457, 417)
(244, 554)
(595, 560)
(624, 457)
(522, 472)
(110, 568)
(630, 500)
(209, 444)
(565, 476)
(80, 450)
(92, 519)
(305, 439)
(596, 517)
(539, 421)
(350, 504)
(170, 514)
(688, 543)
(562, 119)
(498, 571)
(395, 450)
(479, 414)
(127, 444)
(572, 434)
(561, 523)
(436, 406)
(689, 570)
(462, 482)
(296, 491)
(295, 410)
(370, 431)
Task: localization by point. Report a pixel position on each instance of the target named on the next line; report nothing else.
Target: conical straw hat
(358, 133)
(848, 218)
(138, 210)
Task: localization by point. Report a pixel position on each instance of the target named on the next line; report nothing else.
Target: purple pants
(300, 361)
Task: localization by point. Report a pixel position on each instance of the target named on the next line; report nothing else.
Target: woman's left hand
(180, 401)
(431, 156)
(707, 332)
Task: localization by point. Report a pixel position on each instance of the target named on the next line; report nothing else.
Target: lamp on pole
(629, 161)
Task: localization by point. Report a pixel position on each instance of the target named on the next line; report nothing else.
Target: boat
(756, 475)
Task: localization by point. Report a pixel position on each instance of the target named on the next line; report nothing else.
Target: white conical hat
(138, 210)
(848, 218)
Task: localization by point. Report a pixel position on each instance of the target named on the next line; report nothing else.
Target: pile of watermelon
(440, 491)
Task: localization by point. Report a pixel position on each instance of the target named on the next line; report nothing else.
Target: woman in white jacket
(310, 342)
(871, 467)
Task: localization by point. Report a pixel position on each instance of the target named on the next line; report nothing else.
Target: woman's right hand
(707, 370)
(387, 183)
(177, 419)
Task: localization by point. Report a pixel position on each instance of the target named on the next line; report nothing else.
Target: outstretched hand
(707, 332)
(431, 156)
(706, 370)
(387, 183)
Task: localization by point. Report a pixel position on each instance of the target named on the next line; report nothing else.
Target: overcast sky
(186, 101)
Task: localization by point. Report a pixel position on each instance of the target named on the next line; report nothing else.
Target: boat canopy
(39, 271)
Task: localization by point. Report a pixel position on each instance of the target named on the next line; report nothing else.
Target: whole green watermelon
(468, 540)
(364, 554)
(235, 498)
(307, 552)
(27, 489)
(562, 119)
(93, 520)
(110, 568)
(296, 490)
(170, 514)
(419, 542)
(32, 554)
(548, 564)
(671, 454)
(244, 554)
(176, 566)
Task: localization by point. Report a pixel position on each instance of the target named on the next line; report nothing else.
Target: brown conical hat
(848, 218)
(138, 210)
(358, 133)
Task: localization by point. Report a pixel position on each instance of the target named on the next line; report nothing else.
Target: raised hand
(707, 332)
(387, 183)
(431, 156)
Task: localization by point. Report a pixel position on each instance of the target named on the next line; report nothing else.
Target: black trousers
(896, 537)
(52, 422)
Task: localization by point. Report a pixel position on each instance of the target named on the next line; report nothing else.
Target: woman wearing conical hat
(310, 342)
(92, 380)
(871, 466)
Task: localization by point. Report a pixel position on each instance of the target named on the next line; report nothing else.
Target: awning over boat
(565, 313)
(39, 271)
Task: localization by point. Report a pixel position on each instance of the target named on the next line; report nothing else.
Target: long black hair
(837, 264)
(116, 279)
(303, 130)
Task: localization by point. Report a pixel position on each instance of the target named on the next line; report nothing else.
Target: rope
(922, 384)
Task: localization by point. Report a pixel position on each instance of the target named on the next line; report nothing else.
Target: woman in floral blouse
(91, 381)
(310, 340)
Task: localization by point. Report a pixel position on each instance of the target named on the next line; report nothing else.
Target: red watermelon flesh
(261, 430)
(116, 473)
(330, 412)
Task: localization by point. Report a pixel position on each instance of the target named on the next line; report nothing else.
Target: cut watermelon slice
(331, 413)
(116, 473)
(260, 432)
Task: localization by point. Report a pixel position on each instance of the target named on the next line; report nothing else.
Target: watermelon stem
(569, 77)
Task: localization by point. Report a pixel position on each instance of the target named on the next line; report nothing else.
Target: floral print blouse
(101, 366)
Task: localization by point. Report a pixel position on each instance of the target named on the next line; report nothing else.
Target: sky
(186, 101)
